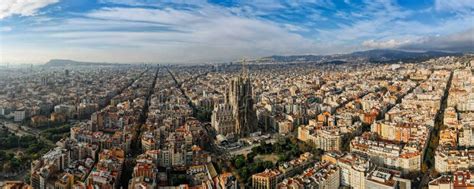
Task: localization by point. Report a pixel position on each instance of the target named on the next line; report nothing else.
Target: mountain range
(65, 62)
(377, 56)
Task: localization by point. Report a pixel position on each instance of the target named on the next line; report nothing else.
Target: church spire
(244, 72)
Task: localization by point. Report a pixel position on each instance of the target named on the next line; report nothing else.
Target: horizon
(221, 62)
(195, 32)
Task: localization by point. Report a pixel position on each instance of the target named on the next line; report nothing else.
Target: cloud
(174, 35)
(454, 5)
(202, 31)
(392, 43)
(5, 29)
(461, 41)
(375, 19)
(22, 7)
(209, 26)
(385, 24)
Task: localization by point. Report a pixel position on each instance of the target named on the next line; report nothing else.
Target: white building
(19, 115)
(354, 169)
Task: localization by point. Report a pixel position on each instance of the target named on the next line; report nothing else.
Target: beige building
(323, 175)
(222, 119)
(14, 185)
(285, 126)
(453, 160)
(382, 178)
(457, 180)
(466, 137)
(267, 179)
(327, 139)
(64, 181)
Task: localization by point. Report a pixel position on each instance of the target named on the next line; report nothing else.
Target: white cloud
(382, 21)
(5, 29)
(460, 41)
(454, 5)
(378, 19)
(207, 32)
(392, 43)
(22, 7)
(172, 35)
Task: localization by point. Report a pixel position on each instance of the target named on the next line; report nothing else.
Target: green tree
(239, 161)
(268, 165)
(283, 157)
(15, 163)
(250, 157)
(424, 168)
(3, 155)
(244, 173)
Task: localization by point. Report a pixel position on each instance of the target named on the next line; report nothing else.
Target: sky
(195, 31)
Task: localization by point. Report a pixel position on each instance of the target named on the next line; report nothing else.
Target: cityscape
(144, 110)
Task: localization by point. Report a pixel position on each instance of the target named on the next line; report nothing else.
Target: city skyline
(129, 31)
(373, 119)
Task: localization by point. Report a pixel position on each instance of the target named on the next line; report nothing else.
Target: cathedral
(240, 109)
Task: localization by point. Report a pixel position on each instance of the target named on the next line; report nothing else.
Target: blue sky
(34, 31)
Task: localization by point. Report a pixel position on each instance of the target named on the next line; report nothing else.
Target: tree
(265, 148)
(15, 163)
(3, 155)
(26, 179)
(255, 168)
(268, 165)
(10, 156)
(244, 173)
(278, 148)
(292, 140)
(283, 157)
(250, 157)
(257, 149)
(304, 147)
(239, 161)
(424, 168)
(294, 150)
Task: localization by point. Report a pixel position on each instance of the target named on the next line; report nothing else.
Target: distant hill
(384, 55)
(293, 58)
(64, 62)
(377, 55)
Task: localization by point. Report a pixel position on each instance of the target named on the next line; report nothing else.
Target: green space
(56, 133)
(17, 152)
(246, 166)
(268, 156)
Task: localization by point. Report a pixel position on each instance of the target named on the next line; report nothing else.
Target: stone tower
(239, 96)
